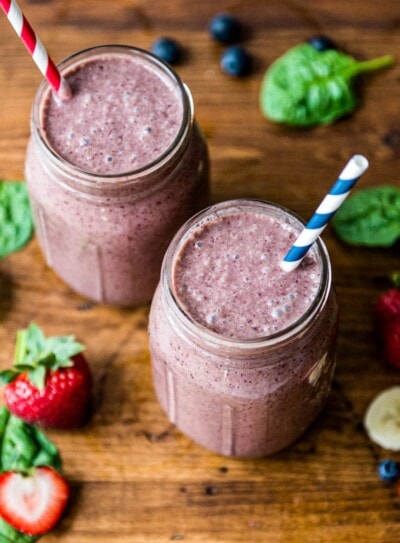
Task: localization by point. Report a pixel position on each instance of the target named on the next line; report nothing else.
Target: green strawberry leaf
(370, 217)
(20, 368)
(7, 376)
(16, 225)
(62, 363)
(35, 355)
(35, 339)
(37, 377)
(306, 87)
(64, 347)
(46, 359)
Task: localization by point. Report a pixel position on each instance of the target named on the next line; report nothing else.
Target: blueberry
(322, 43)
(388, 471)
(167, 50)
(236, 61)
(225, 28)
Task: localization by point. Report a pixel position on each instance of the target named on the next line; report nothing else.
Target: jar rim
(90, 177)
(194, 329)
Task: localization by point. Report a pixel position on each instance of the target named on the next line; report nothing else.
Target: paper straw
(35, 48)
(351, 173)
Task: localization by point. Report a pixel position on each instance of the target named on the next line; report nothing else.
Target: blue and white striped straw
(351, 173)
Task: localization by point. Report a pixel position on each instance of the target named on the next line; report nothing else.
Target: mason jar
(104, 229)
(236, 395)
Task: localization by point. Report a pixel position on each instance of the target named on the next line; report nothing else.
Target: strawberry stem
(20, 347)
(395, 277)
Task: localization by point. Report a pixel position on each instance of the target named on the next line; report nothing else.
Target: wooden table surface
(135, 478)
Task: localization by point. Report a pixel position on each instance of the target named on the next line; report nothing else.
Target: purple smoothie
(123, 115)
(113, 172)
(243, 353)
(234, 262)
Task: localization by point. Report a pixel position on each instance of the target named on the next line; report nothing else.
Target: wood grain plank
(134, 477)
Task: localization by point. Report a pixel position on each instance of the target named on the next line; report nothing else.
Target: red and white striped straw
(35, 48)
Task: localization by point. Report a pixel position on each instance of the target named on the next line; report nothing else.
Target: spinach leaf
(16, 224)
(9, 534)
(370, 217)
(306, 87)
(23, 446)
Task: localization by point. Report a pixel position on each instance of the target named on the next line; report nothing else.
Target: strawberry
(33, 503)
(49, 384)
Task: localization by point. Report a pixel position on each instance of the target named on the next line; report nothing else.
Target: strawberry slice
(33, 503)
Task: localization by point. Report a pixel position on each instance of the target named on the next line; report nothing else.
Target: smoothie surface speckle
(227, 276)
(122, 116)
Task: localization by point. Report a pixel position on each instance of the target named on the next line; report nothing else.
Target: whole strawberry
(50, 383)
(387, 308)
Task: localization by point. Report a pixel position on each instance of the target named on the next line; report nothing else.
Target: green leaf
(23, 446)
(62, 363)
(7, 376)
(48, 453)
(9, 534)
(20, 368)
(35, 339)
(35, 354)
(306, 87)
(38, 377)
(16, 225)
(370, 217)
(4, 416)
(64, 347)
(45, 359)
(19, 447)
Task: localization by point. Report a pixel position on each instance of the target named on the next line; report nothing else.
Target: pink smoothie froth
(228, 276)
(121, 116)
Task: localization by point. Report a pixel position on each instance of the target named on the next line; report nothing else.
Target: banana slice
(382, 419)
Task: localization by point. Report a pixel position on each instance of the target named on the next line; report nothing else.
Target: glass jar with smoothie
(114, 171)
(242, 352)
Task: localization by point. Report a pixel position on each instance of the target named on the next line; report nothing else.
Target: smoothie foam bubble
(227, 276)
